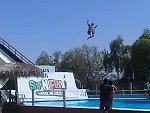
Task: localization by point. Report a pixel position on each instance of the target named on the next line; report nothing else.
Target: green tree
(126, 56)
(74, 61)
(126, 66)
(84, 62)
(56, 59)
(116, 52)
(43, 59)
(94, 64)
(141, 56)
(107, 61)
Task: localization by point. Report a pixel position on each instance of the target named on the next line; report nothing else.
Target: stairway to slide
(9, 54)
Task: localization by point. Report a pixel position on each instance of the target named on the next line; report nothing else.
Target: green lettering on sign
(35, 85)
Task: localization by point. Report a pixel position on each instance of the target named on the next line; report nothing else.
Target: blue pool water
(141, 104)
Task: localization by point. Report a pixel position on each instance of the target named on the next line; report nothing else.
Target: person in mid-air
(91, 29)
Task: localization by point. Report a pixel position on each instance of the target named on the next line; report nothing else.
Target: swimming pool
(140, 104)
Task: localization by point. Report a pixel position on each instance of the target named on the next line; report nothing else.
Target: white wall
(51, 86)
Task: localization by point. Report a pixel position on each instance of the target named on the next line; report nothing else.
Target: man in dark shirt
(106, 92)
(101, 93)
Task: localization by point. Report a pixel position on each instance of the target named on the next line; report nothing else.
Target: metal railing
(21, 98)
(120, 94)
(15, 52)
(120, 91)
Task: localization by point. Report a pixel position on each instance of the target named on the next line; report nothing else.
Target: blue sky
(59, 25)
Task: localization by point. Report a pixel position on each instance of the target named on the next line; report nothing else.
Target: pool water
(94, 103)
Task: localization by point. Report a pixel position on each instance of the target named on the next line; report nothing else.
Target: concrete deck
(0, 109)
(12, 108)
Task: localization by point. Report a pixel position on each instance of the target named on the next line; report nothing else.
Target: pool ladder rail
(21, 98)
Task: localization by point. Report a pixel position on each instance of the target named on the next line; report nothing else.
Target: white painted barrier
(50, 87)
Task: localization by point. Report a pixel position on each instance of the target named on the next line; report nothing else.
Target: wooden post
(16, 93)
(9, 95)
(32, 97)
(64, 98)
(123, 93)
(131, 87)
(64, 95)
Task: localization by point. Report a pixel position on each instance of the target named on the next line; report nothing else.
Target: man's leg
(102, 105)
(107, 106)
(91, 35)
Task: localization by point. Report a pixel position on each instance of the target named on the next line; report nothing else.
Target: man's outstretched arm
(88, 22)
(95, 26)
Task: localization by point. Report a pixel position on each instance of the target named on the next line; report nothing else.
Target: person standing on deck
(147, 89)
(106, 92)
(114, 89)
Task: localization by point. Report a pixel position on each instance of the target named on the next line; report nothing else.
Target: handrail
(125, 90)
(124, 93)
(15, 52)
(121, 91)
(21, 98)
(118, 90)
